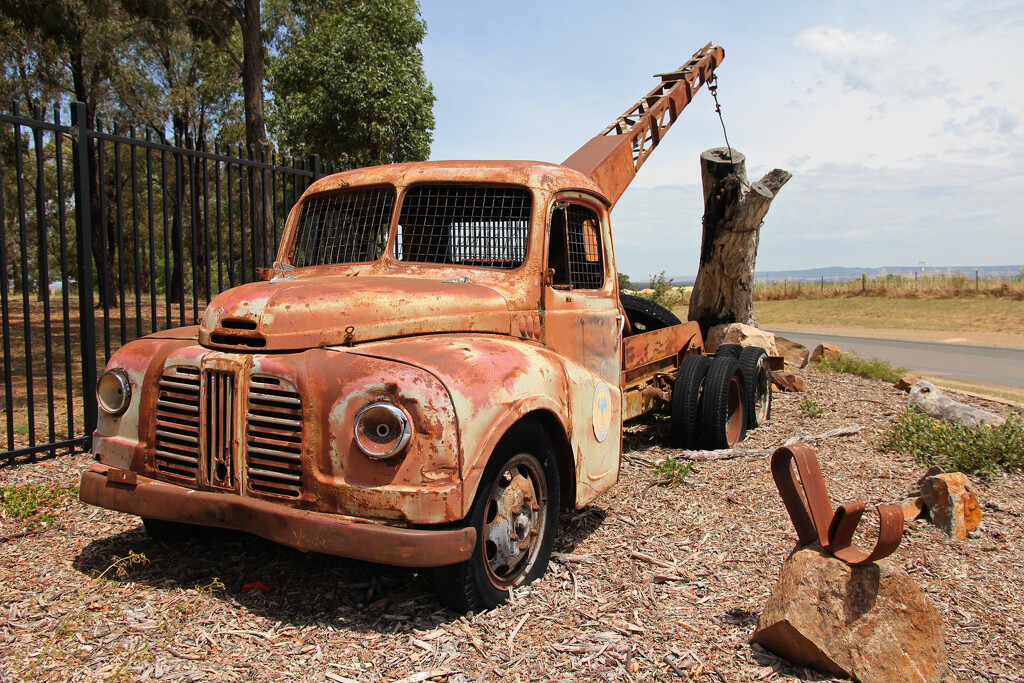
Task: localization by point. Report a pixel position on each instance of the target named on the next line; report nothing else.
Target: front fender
(493, 382)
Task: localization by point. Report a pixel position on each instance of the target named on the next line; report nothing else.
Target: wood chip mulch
(651, 582)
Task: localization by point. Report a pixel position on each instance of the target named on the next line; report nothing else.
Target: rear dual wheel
(723, 420)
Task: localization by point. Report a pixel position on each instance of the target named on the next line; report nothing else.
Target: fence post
(314, 160)
(86, 306)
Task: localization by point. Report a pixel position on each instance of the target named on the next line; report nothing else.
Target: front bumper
(306, 530)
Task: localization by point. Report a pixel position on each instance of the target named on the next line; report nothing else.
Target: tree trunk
(253, 58)
(733, 211)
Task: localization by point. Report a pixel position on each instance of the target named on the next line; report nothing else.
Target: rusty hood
(309, 312)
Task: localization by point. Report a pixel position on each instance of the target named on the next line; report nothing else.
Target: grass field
(943, 315)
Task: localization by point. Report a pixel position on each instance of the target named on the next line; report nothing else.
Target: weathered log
(733, 210)
(926, 398)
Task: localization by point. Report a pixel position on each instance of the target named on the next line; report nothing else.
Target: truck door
(583, 323)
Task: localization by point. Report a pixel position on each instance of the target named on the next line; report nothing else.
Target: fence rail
(135, 239)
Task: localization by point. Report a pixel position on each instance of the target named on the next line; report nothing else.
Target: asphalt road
(1004, 367)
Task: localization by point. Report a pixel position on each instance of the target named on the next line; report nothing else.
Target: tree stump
(733, 211)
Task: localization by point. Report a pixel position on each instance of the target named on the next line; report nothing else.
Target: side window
(574, 252)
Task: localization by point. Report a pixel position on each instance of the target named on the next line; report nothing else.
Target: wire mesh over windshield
(347, 227)
(464, 225)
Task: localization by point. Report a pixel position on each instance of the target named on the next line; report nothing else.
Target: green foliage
(665, 294)
(672, 471)
(624, 282)
(853, 364)
(956, 447)
(810, 408)
(36, 504)
(349, 85)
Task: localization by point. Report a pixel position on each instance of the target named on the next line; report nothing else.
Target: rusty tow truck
(441, 361)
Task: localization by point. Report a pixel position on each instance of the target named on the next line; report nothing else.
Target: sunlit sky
(901, 122)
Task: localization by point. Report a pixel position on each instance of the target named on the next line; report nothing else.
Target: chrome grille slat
(219, 423)
(176, 449)
(274, 437)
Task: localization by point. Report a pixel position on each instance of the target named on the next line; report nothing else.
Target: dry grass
(948, 316)
(926, 286)
(648, 578)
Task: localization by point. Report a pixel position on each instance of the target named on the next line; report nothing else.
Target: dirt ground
(650, 583)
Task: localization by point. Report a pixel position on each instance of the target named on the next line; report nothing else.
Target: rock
(926, 398)
(825, 351)
(912, 508)
(795, 354)
(870, 623)
(951, 503)
(905, 383)
(787, 381)
(744, 335)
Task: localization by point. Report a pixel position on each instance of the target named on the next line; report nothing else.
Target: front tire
(515, 515)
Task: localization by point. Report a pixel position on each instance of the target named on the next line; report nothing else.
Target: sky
(901, 122)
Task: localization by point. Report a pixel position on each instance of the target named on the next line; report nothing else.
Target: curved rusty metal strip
(810, 509)
(807, 500)
(844, 523)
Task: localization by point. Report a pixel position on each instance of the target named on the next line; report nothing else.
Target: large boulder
(869, 623)
(926, 398)
(828, 351)
(744, 335)
(795, 354)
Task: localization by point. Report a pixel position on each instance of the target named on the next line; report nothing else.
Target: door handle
(621, 320)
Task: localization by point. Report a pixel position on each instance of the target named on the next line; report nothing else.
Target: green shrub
(36, 504)
(956, 447)
(810, 408)
(853, 364)
(665, 294)
(672, 471)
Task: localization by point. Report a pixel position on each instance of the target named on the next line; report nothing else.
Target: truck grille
(274, 437)
(177, 422)
(219, 423)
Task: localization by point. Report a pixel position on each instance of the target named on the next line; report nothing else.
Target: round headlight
(113, 392)
(382, 430)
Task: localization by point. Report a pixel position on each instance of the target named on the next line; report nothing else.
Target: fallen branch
(731, 453)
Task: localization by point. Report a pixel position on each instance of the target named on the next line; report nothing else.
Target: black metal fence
(108, 236)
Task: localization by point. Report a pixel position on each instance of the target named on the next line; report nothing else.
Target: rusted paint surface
(810, 509)
(612, 158)
(310, 312)
(641, 351)
(301, 529)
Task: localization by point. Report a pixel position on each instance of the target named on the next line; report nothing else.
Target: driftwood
(733, 210)
(731, 453)
(926, 398)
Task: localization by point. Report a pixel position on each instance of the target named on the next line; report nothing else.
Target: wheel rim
(514, 519)
(735, 428)
(763, 392)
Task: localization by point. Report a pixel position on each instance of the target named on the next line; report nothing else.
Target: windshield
(464, 225)
(344, 227)
(449, 224)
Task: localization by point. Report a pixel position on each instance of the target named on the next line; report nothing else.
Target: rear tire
(729, 351)
(645, 315)
(757, 386)
(723, 419)
(686, 401)
(515, 515)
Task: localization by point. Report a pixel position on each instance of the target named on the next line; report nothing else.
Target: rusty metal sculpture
(810, 508)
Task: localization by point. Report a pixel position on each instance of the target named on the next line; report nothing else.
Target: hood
(309, 312)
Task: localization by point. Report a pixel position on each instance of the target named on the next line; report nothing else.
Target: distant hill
(839, 274)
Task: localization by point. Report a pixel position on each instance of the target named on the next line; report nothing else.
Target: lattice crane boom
(612, 158)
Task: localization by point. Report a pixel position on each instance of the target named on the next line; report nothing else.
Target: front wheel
(515, 516)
